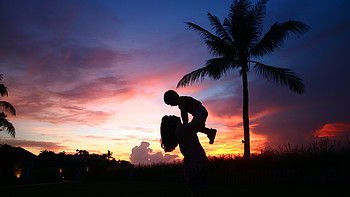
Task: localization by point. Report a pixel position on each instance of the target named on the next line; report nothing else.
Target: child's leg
(199, 120)
(204, 130)
(211, 133)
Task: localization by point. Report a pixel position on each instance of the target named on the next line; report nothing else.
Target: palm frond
(219, 48)
(258, 12)
(215, 44)
(255, 19)
(239, 8)
(3, 90)
(192, 77)
(10, 129)
(220, 30)
(218, 67)
(282, 76)
(275, 37)
(240, 25)
(205, 34)
(230, 30)
(6, 106)
(214, 68)
(6, 125)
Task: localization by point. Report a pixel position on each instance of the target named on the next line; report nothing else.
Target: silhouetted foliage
(50, 166)
(6, 107)
(316, 159)
(320, 161)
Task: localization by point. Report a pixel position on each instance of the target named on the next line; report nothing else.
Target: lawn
(165, 189)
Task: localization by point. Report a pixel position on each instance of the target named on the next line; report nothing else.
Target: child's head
(171, 98)
(167, 132)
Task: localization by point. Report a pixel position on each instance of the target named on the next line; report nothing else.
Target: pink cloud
(54, 75)
(333, 130)
(144, 155)
(59, 113)
(224, 106)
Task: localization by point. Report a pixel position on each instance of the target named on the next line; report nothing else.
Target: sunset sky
(90, 75)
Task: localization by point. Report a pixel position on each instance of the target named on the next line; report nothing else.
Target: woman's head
(167, 132)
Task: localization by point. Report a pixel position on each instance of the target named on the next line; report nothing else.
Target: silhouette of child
(174, 133)
(195, 108)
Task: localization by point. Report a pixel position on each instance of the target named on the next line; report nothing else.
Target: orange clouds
(230, 142)
(333, 130)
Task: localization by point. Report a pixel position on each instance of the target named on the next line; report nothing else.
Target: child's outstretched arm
(184, 117)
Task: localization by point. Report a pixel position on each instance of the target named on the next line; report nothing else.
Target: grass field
(165, 189)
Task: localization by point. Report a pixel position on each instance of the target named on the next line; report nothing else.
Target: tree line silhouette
(324, 160)
(20, 166)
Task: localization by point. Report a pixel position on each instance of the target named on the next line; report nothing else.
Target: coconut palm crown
(6, 107)
(236, 42)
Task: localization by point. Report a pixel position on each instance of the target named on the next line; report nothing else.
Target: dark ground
(179, 189)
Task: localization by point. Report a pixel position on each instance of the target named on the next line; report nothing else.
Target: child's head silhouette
(171, 98)
(167, 132)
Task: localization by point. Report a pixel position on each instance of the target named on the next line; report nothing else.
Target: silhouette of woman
(174, 133)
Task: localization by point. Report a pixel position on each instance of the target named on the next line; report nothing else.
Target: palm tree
(5, 106)
(236, 42)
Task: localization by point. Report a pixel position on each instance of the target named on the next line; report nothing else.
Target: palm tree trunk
(245, 115)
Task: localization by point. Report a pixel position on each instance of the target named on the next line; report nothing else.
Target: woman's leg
(198, 184)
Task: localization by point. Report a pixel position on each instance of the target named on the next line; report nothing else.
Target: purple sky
(83, 70)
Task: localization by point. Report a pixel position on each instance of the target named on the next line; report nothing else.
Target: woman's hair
(167, 132)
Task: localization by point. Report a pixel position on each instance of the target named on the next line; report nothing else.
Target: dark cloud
(39, 145)
(222, 107)
(321, 62)
(144, 155)
(55, 57)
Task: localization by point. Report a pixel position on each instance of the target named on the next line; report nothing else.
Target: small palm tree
(234, 45)
(5, 106)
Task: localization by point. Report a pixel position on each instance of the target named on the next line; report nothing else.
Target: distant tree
(6, 147)
(62, 155)
(108, 156)
(6, 107)
(82, 153)
(47, 158)
(123, 163)
(47, 155)
(236, 42)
